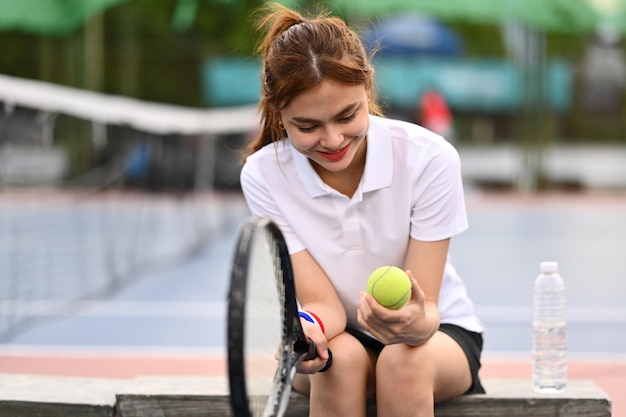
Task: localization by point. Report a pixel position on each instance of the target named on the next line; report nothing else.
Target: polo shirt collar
(379, 159)
(378, 164)
(313, 184)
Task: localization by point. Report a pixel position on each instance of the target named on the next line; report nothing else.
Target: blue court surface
(180, 306)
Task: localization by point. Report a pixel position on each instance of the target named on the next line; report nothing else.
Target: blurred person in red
(435, 115)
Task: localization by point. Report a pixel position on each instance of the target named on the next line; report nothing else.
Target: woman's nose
(333, 139)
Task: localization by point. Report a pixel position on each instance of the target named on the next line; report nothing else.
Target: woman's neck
(345, 181)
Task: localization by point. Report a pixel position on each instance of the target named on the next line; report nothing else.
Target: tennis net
(96, 189)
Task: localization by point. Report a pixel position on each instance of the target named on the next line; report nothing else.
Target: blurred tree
(138, 48)
(154, 49)
(50, 17)
(155, 54)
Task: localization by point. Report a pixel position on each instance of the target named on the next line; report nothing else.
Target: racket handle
(312, 354)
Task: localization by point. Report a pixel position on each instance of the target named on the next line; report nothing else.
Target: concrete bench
(26, 396)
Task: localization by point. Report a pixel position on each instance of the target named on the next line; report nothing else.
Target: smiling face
(328, 124)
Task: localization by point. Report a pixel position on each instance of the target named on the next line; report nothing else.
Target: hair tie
(298, 23)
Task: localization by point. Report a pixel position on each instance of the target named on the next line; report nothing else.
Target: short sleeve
(262, 202)
(438, 202)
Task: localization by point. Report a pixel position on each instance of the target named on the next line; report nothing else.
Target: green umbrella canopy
(50, 17)
(62, 17)
(563, 16)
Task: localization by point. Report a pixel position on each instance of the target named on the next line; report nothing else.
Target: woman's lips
(335, 156)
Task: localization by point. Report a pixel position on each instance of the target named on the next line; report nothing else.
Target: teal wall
(484, 85)
(231, 81)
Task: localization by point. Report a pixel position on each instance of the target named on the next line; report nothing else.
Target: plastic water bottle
(549, 363)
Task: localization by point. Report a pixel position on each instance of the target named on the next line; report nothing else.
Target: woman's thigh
(439, 365)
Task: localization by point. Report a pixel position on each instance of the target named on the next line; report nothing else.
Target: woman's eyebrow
(343, 111)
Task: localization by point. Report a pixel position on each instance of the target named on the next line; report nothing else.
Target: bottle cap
(549, 266)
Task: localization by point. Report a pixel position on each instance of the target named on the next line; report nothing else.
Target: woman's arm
(427, 261)
(418, 320)
(316, 294)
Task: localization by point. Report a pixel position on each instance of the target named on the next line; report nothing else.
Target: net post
(205, 163)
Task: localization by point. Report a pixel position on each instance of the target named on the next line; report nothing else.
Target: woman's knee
(406, 363)
(351, 364)
(349, 356)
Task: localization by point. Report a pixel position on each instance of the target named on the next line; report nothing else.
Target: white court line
(575, 314)
(217, 310)
(95, 351)
(126, 309)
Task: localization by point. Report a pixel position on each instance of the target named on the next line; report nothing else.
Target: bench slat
(582, 398)
(29, 395)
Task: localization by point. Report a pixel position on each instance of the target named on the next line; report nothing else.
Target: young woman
(352, 191)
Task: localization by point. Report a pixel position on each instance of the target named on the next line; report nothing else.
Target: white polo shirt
(411, 187)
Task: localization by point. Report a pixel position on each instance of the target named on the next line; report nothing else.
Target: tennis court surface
(169, 318)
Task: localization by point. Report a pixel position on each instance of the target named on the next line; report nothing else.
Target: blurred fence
(57, 248)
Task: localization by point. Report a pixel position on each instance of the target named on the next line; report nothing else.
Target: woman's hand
(314, 334)
(410, 324)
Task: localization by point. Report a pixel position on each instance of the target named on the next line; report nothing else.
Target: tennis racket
(265, 337)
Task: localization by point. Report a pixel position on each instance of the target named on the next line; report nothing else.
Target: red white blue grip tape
(312, 318)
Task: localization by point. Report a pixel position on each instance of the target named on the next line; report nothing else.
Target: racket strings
(263, 321)
(285, 371)
(280, 287)
(262, 318)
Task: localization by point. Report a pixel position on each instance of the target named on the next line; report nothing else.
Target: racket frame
(293, 345)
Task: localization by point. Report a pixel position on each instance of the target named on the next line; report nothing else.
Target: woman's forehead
(327, 97)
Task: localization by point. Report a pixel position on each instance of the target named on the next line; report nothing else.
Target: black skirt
(470, 342)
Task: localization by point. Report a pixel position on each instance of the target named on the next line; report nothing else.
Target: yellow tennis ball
(390, 286)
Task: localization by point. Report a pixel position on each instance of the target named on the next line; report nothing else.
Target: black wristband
(328, 362)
